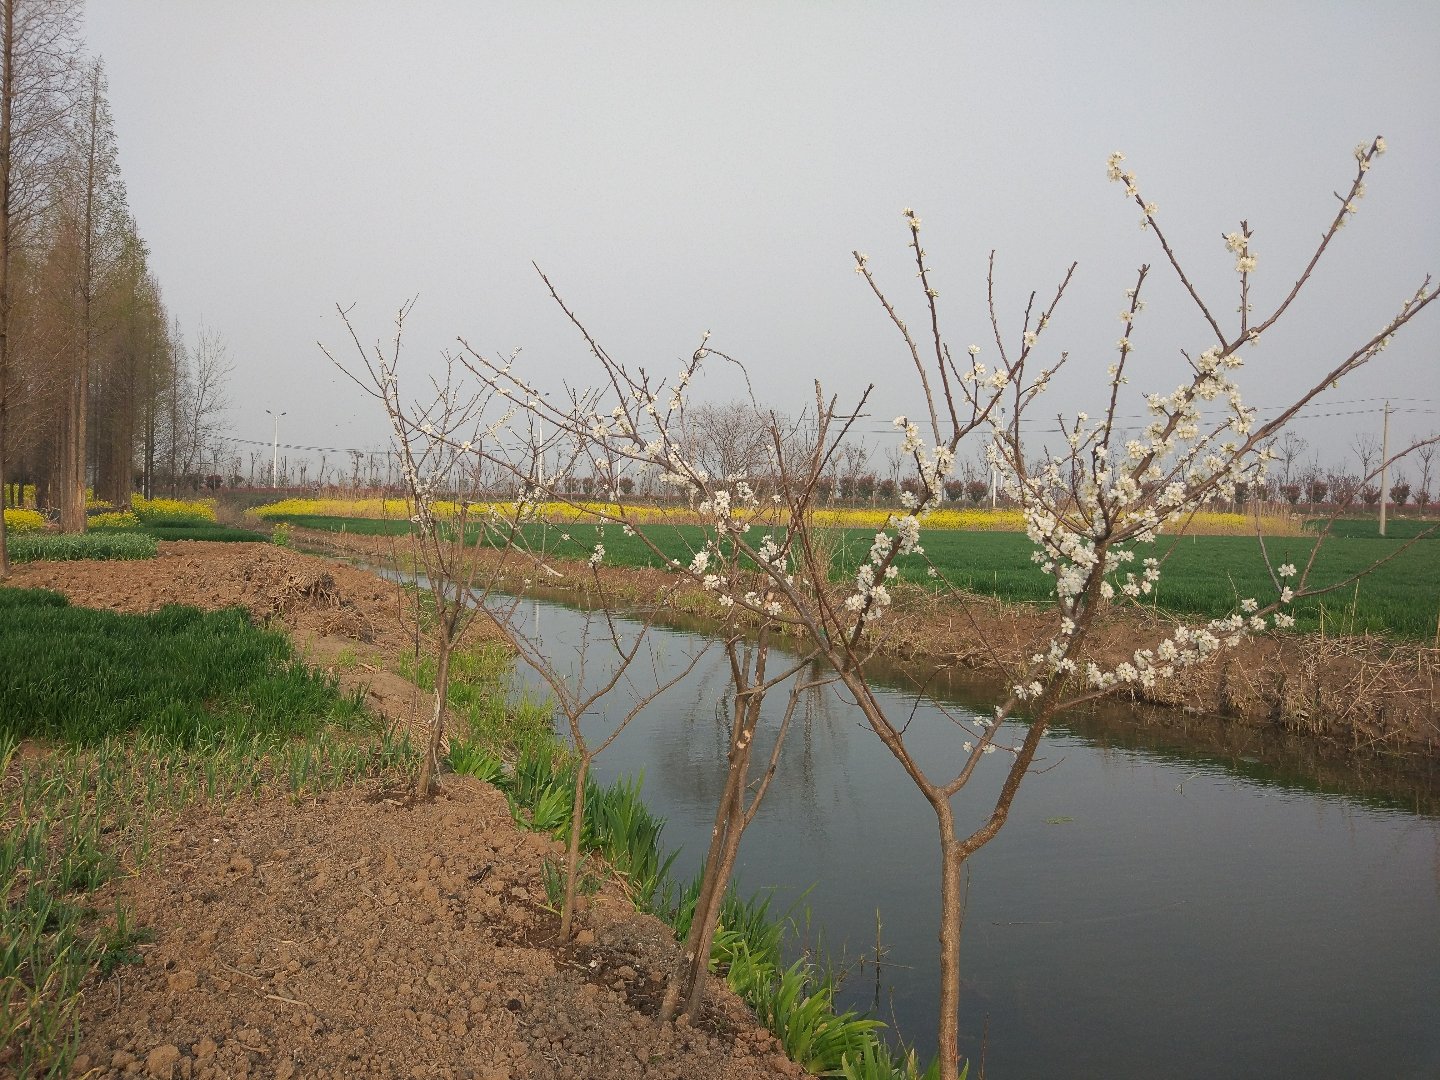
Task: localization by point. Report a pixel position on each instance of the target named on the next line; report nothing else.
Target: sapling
(434, 441)
(1087, 509)
(637, 424)
(463, 442)
(576, 697)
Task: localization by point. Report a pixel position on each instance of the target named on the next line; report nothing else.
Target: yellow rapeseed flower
(974, 519)
(121, 519)
(22, 521)
(172, 509)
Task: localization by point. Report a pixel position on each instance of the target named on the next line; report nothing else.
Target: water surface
(1145, 912)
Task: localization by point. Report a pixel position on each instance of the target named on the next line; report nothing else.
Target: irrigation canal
(1146, 912)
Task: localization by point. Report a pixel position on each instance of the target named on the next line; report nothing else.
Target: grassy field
(1202, 575)
(200, 530)
(1369, 528)
(139, 716)
(39, 546)
(1209, 575)
(360, 526)
(120, 541)
(180, 673)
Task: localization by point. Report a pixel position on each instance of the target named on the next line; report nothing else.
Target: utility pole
(1384, 466)
(275, 447)
(994, 475)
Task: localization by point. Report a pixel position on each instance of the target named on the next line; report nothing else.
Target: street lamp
(274, 446)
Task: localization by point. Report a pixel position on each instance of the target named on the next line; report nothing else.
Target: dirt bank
(1350, 695)
(362, 935)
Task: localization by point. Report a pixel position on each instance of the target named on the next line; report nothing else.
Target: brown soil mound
(365, 936)
(302, 592)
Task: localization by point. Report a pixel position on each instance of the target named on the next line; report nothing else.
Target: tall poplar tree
(93, 208)
(39, 46)
(133, 320)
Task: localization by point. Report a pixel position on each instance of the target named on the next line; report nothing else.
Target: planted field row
(392, 516)
(36, 547)
(82, 675)
(119, 541)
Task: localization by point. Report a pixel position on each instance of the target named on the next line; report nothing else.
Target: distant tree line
(725, 439)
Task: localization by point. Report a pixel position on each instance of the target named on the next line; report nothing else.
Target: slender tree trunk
(687, 980)
(427, 784)
(147, 482)
(174, 415)
(4, 488)
(7, 102)
(678, 986)
(952, 861)
(72, 451)
(76, 450)
(706, 939)
(572, 856)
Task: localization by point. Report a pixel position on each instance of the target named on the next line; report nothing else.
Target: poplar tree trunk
(7, 103)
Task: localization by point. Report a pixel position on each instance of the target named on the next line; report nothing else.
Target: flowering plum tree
(1095, 509)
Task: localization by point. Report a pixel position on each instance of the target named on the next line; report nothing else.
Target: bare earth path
(362, 935)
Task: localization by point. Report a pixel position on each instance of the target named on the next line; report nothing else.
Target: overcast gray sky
(679, 167)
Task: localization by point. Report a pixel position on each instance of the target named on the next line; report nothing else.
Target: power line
(880, 428)
(1271, 410)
